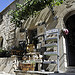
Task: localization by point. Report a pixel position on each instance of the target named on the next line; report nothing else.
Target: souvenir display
(30, 48)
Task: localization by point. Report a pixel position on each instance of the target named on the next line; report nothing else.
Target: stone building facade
(7, 28)
(60, 19)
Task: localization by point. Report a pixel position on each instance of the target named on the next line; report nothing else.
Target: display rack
(52, 40)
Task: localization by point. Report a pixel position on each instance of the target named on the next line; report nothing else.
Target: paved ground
(3, 73)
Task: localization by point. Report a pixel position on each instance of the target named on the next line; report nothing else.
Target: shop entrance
(31, 35)
(70, 40)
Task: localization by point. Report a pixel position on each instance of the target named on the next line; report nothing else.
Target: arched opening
(70, 40)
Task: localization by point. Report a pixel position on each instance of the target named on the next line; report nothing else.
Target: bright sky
(4, 4)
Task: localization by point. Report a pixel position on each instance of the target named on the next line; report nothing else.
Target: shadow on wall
(52, 22)
(1, 41)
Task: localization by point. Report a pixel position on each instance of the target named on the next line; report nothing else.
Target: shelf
(32, 53)
(34, 72)
(54, 38)
(38, 61)
(42, 72)
(49, 62)
(52, 31)
(52, 41)
(33, 61)
(50, 45)
(50, 53)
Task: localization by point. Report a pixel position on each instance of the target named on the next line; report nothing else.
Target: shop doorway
(31, 35)
(70, 40)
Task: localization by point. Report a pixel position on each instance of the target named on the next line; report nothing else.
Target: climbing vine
(30, 8)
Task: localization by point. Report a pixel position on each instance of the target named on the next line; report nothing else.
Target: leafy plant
(30, 8)
(1, 50)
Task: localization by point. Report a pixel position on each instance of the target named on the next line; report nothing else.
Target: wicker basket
(27, 66)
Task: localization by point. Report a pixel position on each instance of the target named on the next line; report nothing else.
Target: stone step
(70, 69)
(62, 74)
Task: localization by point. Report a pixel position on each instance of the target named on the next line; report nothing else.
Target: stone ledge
(33, 72)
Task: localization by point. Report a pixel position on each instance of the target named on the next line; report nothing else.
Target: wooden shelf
(50, 39)
(50, 53)
(50, 62)
(38, 61)
(52, 31)
(32, 53)
(50, 45)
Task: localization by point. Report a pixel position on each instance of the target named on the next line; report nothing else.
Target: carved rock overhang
(66, 13)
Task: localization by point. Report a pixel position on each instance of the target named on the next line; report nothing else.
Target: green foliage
(32, 7)
(1, 50)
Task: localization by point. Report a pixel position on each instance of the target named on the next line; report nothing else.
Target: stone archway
(70, 42)
(63, 14)
(62, 18)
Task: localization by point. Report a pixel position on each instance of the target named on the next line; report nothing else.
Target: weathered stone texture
(8, 65)
(7, 28)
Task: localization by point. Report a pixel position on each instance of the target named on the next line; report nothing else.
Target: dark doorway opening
(1, 42)
(70, 40)
(32, 34)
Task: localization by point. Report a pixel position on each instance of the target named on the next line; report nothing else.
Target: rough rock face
(8, 65)
(52, 21)
(7, 28)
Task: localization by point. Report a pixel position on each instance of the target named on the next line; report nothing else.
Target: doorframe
(66, 13)
(69, 14)
(65, 20)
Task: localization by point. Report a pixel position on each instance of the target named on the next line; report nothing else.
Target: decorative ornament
(66, 31)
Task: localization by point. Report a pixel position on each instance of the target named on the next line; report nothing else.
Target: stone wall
(7, 28)
(55, 21)
(52, 21)
(8, 65)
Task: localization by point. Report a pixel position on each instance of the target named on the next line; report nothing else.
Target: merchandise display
(30, 47)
